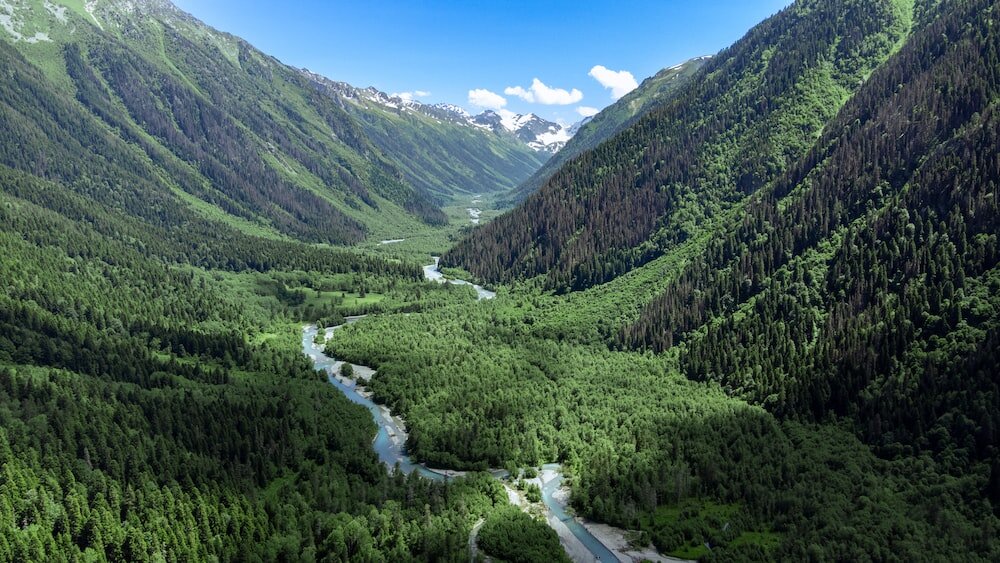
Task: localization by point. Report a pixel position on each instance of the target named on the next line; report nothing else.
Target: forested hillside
(215, 128)
(757, 319)
(150, 410)
(161, 188)
(809, 227)
(863, 282)
(653, 91)
(747, 115)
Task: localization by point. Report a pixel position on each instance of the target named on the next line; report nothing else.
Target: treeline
(739, 123)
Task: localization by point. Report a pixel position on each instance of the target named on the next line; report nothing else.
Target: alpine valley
(750, 311)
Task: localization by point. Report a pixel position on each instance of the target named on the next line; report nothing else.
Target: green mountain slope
(653, 91)
(863, 282)
(227, 132)
(759, 323)
(155, 411)
(169, 198)
(752, 111)
(437, 154)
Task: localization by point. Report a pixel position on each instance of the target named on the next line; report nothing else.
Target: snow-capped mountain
(537, 133)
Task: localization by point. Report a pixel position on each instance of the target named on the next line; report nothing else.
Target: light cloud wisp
(540, 93)
(410, 96)
(483, 98)
(620, 82)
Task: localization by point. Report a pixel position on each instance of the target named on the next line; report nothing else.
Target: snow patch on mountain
(576, 126)
(550, 138)
(538, 133)
(458, 110)
(680, 65)
(58, 11)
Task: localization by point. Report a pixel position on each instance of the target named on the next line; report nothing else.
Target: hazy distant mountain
(539, 134)
(534, 132)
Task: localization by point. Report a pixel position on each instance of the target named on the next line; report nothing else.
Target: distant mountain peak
(538, 133)
(576, 126)
(453, 109)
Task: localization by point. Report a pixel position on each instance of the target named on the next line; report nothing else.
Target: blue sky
(465, 52)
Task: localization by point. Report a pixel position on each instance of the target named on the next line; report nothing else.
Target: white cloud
(525, 95)
(554, 96)
(542, 94)
(619, 82)
(587, 111)
(485, 99)
(409, 96)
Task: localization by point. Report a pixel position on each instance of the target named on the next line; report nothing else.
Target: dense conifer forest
(652, 93)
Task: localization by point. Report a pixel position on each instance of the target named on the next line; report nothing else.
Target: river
(432, 273)
(390, 442)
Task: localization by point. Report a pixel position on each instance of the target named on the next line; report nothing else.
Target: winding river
(432, 273)
(390, 442)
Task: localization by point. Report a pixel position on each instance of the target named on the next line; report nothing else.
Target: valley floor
(576, 535)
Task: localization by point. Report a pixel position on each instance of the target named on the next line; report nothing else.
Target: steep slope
(591, 132)
(253, 139)
(160, 188)
(752, 111)
(439, 150)
(863, 283)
